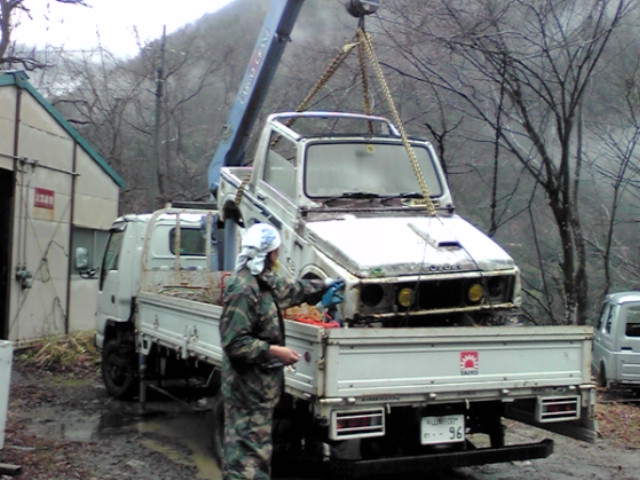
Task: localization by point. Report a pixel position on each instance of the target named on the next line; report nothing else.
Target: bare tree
(119, 108)
(522, 69)
(9, 58)
(614, 163)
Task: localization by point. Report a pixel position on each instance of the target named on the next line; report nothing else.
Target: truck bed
(441, 363)
(397, 366)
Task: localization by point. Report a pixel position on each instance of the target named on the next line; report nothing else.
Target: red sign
(469, 363)
(43, 198)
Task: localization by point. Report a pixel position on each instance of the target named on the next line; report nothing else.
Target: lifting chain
(241, 188)
(365, 47)
(365, 39)
(304, 105)
(322, 81)
(365, 84)
(326, 76)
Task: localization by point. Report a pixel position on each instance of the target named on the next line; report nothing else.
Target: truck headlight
(475, 293)
(405, 297)
(371, 295)
(496, 287)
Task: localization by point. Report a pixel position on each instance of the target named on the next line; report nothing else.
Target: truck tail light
(356, 424)
(557, 409)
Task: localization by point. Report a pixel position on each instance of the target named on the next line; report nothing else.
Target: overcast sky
(75, 27)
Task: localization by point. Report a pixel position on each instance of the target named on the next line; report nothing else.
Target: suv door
(629, 343)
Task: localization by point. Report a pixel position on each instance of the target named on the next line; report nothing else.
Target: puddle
(193, 434)
(47, 422)
(166, 427)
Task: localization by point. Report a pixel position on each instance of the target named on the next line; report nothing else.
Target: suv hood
(374, 247)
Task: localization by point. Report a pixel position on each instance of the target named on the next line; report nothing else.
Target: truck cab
(351, 205)
(120, 273)
(616, 341)
(169, 243)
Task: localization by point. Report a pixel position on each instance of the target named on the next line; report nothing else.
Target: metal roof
(20, 79)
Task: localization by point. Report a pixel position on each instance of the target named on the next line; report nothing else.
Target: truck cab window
(111, 254)
(610, 316)
(192, 242)
(603, 315)
(632, 327)
(280, 166)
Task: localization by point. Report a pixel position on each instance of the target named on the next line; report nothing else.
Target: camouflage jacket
(251, 378)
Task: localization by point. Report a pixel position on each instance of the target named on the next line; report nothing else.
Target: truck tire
(119, 369)
(217, 411)
(497, 434)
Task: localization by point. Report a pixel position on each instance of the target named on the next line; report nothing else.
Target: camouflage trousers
(247, 443)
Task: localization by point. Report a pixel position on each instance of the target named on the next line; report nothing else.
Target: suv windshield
(374, 169)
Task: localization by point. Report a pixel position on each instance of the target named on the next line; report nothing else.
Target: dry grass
(74, 353)
(619, 423)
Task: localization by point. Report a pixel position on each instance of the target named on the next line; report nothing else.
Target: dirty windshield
(366, 170)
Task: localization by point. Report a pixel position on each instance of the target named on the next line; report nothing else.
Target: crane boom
(273, 38)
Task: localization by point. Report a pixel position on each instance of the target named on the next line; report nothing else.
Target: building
(58, 197)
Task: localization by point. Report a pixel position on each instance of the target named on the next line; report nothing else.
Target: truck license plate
(445, 429)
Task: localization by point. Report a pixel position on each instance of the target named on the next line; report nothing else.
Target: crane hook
(360, 8)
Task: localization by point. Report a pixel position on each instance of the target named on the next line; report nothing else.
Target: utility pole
(154, 174)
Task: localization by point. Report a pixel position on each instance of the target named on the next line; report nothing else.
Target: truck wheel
(218, 428)
(496, 435)
(119, 369)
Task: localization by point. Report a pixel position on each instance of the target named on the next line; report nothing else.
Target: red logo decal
(43, 198)
(469, 363)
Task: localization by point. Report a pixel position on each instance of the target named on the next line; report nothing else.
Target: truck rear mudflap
(399, 465)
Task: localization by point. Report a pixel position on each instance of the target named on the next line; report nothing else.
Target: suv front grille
(437, 296)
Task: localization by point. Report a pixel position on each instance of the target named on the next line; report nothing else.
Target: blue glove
(334, 294)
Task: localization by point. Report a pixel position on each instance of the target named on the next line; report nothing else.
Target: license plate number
(445, 429)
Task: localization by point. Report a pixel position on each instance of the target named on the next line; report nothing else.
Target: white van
(616, 342)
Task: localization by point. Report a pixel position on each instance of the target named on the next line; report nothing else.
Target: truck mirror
(81, 263)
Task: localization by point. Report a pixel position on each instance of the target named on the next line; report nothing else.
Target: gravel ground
(64, 426)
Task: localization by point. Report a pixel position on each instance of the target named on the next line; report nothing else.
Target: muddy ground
(62, 425)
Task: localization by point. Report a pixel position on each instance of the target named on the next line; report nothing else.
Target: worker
(252, 334)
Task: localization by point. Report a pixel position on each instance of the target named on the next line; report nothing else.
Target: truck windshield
(371, 169)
